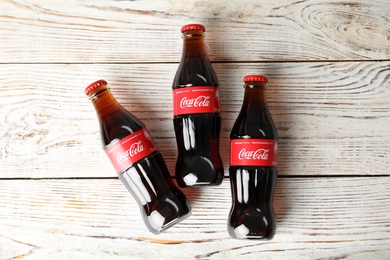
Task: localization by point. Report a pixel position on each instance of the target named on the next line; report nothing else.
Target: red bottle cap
(255, 78)
(192, 27)
(95, 85)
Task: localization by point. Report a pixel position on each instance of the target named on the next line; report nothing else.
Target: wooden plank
(145, 31)
(330, 218)
(332, 118)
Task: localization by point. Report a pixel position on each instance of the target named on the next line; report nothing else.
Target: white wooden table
(328, 63)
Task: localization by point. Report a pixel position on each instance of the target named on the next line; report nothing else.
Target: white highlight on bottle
(190, 179)
(241, 231)
(156, 220)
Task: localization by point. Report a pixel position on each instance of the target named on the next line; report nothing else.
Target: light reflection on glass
(147, 179)
(189, 134)
(242, 185)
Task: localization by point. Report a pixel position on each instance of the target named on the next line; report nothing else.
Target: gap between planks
(178, 61)
(225, 178)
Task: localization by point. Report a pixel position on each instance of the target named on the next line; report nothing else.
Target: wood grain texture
(327, 218)
(328, 63)
(332, 118)
(149, 31)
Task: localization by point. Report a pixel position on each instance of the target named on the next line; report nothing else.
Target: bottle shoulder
(117, 125)
(254, 124)
(195, 71)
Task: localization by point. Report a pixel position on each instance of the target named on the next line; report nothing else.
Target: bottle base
(252, 223)
(242, 232)
(191, 180)
(156, 222)
(165, 213)
(161, 203)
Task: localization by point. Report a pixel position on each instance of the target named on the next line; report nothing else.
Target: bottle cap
(95, 85)
(255, 78)
(191, 27)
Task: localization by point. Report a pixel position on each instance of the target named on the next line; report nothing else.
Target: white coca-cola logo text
(259, 154)
(134, 149)
(201, 101)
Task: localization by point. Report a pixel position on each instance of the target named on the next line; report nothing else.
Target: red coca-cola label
(253, 152)
(125, 152)
(195, 100)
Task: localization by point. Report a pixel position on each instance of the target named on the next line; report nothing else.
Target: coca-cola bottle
(253, 165)
(137, 161)
(197, 119)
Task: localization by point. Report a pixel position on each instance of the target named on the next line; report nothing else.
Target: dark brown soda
(197, 135)
(161, 203)
(252, 215)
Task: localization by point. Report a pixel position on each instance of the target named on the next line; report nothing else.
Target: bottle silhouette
(253, 165)
(197, 119)
(139, 164)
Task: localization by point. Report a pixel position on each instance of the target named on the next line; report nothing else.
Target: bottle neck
(256, 94)
(103, 101)
(194, 44)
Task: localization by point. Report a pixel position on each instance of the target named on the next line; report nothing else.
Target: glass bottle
(136, 159)
(253, 165)
(197, 119)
